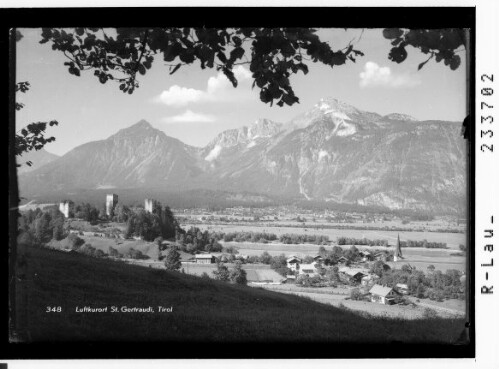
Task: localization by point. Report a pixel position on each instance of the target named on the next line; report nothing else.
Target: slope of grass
(203, 310)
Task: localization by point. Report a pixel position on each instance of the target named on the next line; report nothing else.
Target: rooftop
(380, 290)
(204, 256)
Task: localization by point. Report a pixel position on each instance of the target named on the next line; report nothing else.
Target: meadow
(453, 240)
(203, 309)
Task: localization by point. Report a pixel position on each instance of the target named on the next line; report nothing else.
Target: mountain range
(37, 159)
(332, 152)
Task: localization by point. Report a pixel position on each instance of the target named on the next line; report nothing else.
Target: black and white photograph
(241, 185)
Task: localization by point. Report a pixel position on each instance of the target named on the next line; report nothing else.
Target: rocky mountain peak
(139, 129)
(263, 128)
(400, 117)
(329, 105)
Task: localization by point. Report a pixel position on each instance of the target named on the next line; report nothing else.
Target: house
(205, 259)
(318, 259)
(366, 255)
(352, 275)
(402, 288)
(308, 269)
(380, 256)
(342, 260)
(292, 262)
(382, 294)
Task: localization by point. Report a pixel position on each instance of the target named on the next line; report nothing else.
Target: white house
(382, 294)
(308, 269)
(205, 259)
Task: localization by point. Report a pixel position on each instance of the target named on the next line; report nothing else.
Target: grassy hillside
(203, 310)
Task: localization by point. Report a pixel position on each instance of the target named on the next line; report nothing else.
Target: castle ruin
(149, 205)
(64, 208)
(111, 201)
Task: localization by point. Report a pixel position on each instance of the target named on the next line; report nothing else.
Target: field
(123, 246)
(453, 240)
(202, 310)
(339, 297)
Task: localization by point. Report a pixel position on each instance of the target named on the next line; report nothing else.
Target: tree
(74, 241)
(440, 44)
(406, 268)
(322, 252)
(308, 259)
(172, 260)
(222, 273)
(121, 213)
(43, 232)
(273, 54)
(57, 229)
(265, 258)
(31, 137)
(378, 268)
(238, 274)
(355, 294)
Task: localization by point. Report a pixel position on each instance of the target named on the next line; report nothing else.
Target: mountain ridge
(332, 152)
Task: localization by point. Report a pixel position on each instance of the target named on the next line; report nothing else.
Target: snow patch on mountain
(345, 129)
(214, 153)
(340, 115)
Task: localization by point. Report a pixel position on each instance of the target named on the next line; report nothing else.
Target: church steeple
(398, 250)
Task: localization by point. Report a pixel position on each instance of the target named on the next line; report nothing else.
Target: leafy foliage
(222, 273)
(194, 240)
(172, 260)
(273, 54)
(39, 227)
(355, 294)
(238, 274)
(149, 226)
(440, 44)
(31, 137)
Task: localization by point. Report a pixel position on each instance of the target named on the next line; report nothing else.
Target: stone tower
(111, 201)
(64, 208)
(148, 205)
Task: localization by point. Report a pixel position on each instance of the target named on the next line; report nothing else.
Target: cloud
(189, 117)
(374, 75)
(180, 96)
(218, 88)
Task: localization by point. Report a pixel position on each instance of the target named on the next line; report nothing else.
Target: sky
(195, 105)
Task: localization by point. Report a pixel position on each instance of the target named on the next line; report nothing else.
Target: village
(379, 280)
